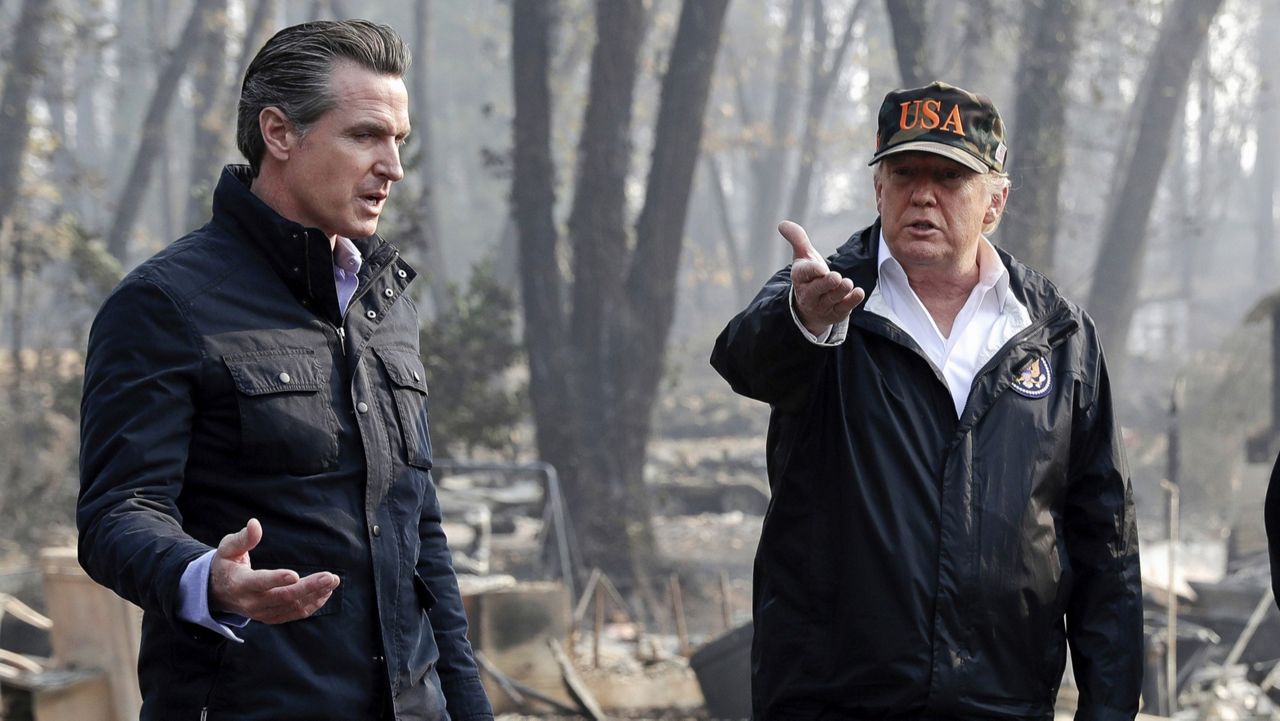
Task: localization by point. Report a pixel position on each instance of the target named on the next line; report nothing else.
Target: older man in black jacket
(262, 373)
(948, 478)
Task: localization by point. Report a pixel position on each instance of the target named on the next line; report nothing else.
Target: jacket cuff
(466, 699)
(193, 601)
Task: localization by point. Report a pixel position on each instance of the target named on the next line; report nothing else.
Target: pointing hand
(822, 296)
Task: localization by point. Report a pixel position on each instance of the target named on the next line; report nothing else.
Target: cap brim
(928, 146)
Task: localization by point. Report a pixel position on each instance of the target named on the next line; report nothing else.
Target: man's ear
(996, 208)
(277, 133)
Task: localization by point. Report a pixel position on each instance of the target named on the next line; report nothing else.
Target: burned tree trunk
(1118, 272)
(910, 35)
(153, 133)
(640, 355)
(15, 117)
(593, 415)
(208, 86)
(256, 33)
(824, 74)
(1048, 46)
(1268, 145)
(425, 215)
(532, 207)
(769, 166)
(598, 238)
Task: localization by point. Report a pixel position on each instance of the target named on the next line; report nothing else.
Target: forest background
(592, 191)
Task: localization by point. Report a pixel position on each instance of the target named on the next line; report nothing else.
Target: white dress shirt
(990, 317)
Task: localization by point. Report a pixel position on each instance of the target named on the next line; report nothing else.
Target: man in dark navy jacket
(948, 479)
(255, 456)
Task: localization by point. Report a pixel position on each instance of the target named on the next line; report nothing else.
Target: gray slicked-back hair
(292, 71)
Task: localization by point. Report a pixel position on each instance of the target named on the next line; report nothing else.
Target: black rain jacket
(917, 565)
(221, 383)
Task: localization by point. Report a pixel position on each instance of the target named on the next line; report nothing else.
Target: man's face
(932, 210)
(339, 173)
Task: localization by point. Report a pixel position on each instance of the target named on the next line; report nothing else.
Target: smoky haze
(585, 221)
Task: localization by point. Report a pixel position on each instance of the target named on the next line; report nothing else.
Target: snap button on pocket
(362, 407)
(284, 377)
(371, 315)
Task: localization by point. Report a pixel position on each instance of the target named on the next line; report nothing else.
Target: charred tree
(825, 67)
(907, 19)
(1268, 145)
(769, 164)
(1048, 49)
(256, 33)
(209, 85)
(88, 132)
(153, 133)
(422, 215)
(598, 239)
(1118, 272)
(15, 116)
(975, 43)
(532, 206)
(596, 429)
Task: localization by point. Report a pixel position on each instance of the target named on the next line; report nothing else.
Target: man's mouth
(922, 225)
(374, 199)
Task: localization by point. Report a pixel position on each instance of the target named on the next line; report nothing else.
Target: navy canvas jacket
(222, 383)
(913, 564)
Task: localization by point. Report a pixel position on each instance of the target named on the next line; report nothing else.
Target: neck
(269, 188)
(944, 291)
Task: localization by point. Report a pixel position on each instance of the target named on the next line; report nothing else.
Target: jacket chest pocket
(408, 382)
(287, 421)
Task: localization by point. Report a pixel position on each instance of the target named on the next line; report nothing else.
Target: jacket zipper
(204, 710)
(342, 340)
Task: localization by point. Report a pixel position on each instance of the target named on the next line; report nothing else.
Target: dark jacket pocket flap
(296, 370)
(405, 368)
(425, 596)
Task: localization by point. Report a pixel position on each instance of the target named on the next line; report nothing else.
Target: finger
(295, 610)
(263, 582)
(242, 541)
(317, 584)
(850, 301)
(806, 271)
(820, 293)
(299, 599)
(801, 247)
(836, 292)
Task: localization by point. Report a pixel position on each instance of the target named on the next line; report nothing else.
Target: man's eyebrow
(375, 127)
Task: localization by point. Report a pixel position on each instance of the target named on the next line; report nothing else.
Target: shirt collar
(992, 272)
(346, 256)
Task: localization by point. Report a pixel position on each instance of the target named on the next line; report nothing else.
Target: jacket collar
(301, 256)
(858, 259)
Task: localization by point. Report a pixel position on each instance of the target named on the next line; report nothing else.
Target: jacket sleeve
(1271, 516)
(763, 354)
(459, 675)
(141, 369)
(1104, 611)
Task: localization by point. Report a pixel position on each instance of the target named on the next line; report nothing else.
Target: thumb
(801, 247)
(242, 541)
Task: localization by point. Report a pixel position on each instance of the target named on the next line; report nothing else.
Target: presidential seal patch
(1034, 380)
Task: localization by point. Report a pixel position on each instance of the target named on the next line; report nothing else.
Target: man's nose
(923, 193)
(389, 166)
